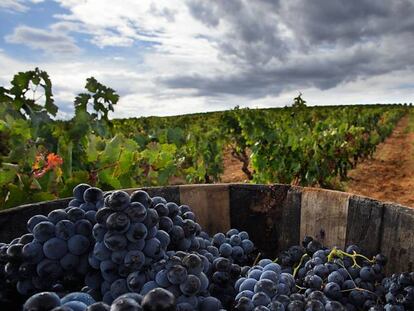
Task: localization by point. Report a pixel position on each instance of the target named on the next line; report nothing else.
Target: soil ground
(387, 176)
(232, 169)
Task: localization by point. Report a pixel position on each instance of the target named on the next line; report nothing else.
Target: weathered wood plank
(364, 224)
(324, 216)
(210, 203)
(270, 214)
(397, 239)
(289, 224)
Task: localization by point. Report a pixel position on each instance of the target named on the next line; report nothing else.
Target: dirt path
(232, 169)
(389, 175)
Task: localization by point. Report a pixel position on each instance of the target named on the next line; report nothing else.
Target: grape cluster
(121, 252)
(185, 275)
(347, 277)
(10, 272)
(115, 244)
(157, 299)
(315, 300)
(223, 277)
(127, 239)
(399, 291)
(290, 258)
(262, 284)
(235, 245)
(181, 225)
(312, 277)
(54, 254)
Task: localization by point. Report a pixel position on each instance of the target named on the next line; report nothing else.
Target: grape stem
(335, 252)
(257, 259)
(340, 263)
(295, 270)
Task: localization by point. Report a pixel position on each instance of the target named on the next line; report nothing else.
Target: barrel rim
(204, 186)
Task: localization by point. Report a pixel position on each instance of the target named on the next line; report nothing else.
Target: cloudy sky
(167, 57)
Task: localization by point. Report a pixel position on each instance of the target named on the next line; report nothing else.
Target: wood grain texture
(324, 216)
(270, 214)
(397, 239)
(210, 203)
(364, 224)
(289, 226)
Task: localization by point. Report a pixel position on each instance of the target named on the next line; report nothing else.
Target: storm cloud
(282, 45)
(171, 57)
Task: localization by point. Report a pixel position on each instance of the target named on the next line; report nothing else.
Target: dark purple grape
(159, 299)
(136, 212)
(57, 215)
(93, 195)
(118, 200)
(44, 301)
(118, 222)
(141, 197)
(79, 191)
(162, 210)
(44, 231)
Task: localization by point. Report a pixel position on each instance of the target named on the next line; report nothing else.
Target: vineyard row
(43, 159)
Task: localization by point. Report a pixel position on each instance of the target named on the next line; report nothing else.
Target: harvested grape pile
(122, 252)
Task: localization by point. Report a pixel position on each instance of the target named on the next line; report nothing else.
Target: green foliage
(203, 151)
(92, 109)
(410, 127)
(30, 170)
(314, 145)
(23, 84)
(235, 139)
(103, 99)
(43, 159)
(299, 102)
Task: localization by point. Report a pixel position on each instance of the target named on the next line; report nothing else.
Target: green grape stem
(295, 270)
(356, 287)
(335, 252)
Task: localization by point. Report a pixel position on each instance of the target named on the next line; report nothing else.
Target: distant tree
(299, 102)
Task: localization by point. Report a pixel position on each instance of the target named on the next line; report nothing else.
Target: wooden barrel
(276, 217)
